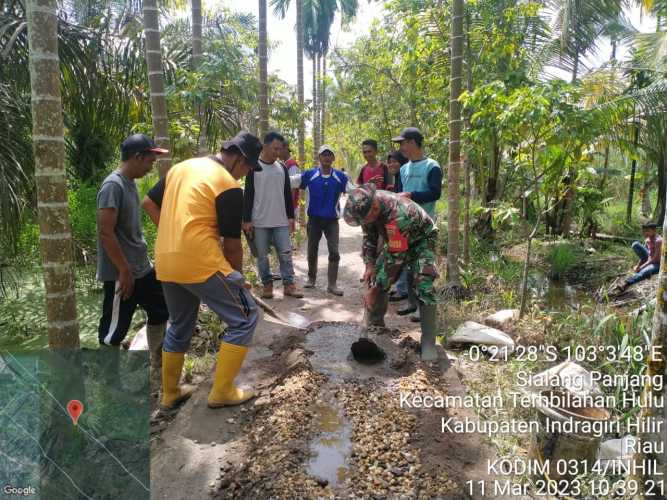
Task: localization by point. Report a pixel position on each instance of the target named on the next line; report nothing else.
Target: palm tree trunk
(196, 33)
(646, 199)
(301, 133)
(156, 82)
(631, 191)
(656, 367)
(196, 61)
(300, 82)
(603, 181)
(323, 100)
(568, 205)
(49, 151)
(316, 113)
(575, 68)
(263, 82)
(659, 213)
(466, 160)
(454, 145)
(466, 212)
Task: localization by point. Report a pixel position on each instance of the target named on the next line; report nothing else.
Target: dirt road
(322, 425)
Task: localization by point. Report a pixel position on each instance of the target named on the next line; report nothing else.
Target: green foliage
(23, 311)
(561, 259)
(82, 199)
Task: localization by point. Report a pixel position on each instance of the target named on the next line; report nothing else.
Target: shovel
(290, 318)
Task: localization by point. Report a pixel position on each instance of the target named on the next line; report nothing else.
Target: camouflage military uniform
(409, 238)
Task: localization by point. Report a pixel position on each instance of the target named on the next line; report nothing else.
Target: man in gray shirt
(122, 255)
(268, 216)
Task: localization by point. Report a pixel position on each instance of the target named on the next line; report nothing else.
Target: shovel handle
(266, 307)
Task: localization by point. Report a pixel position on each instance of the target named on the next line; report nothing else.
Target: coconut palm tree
(318, 19)
(453, 278)
(49, 153)
(196, 61)
(280, 8)
(196, 33)
(263, 72)
(156, 82)
(579, 25)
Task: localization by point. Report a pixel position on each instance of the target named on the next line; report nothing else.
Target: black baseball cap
(140, 143)
(249, 145)
(409, 133)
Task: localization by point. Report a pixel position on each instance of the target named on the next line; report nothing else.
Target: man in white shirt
(268, 216)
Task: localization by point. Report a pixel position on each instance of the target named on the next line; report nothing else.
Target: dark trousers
(117, 313)
(315, 228)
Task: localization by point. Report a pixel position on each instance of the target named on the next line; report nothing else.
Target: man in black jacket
(268, 216)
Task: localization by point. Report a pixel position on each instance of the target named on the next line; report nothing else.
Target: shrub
(82, 199)
(562, 258)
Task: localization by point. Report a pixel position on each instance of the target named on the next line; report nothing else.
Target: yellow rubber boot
(172, 393)
(224, 392)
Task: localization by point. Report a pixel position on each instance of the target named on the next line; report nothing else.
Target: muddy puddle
(557, 295)
(332, 448)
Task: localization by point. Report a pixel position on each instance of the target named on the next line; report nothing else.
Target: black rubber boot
(332, 274)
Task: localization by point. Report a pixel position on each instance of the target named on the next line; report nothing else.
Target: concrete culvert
(367, 352)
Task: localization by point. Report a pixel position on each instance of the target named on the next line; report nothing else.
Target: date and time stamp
(573, 478)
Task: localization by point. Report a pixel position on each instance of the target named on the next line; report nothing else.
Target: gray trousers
(315, 228)
(224, 295)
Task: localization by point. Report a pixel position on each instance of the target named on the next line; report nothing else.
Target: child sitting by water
(649, 256)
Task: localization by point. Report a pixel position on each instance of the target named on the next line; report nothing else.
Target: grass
(561, 258)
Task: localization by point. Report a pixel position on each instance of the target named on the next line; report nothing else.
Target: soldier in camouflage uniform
(397, 233)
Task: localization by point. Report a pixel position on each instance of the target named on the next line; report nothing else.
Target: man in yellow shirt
(197, 204)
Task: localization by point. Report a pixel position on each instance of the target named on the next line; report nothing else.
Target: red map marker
(75, 409)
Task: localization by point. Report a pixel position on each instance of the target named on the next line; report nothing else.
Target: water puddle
(556, 294)
(333, 446)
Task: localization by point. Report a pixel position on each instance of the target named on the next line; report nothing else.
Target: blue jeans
(280, 238)
(402, 283)
(648, 271)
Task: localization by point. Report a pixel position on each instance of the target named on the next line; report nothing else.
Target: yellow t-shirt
(188, 248)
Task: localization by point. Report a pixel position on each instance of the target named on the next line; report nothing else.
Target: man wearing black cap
(421, 178)
(196, 205)
(122, 257)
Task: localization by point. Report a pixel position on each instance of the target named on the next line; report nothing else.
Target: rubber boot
(429, 325)
(375, 317)
(155, 338)
(224, 392)
(312, 272)
(333, 278)
(173, 394)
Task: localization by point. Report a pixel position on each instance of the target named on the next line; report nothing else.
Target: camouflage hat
(359, 203)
